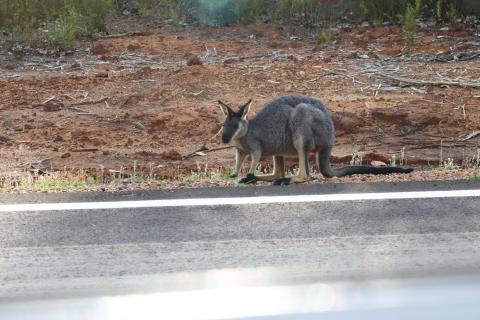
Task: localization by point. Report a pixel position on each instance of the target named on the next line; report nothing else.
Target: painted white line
(237, 201)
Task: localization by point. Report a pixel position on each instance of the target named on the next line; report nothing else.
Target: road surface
(411, 229)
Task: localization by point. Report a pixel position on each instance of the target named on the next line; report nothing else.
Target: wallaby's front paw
(281, 182)
(249, 179)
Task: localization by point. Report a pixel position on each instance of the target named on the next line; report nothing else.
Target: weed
(325, 35)
(450, 165)
(393, 161)
(438, 9)
(53, 23)
(410, 21)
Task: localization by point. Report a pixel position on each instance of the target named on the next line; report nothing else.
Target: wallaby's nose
(225, 138)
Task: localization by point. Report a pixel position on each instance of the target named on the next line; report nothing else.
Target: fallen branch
(77, 109)
(130, 34)
(85, 150)
(204, 150)
(454, 56)
(429, 82)
(89, 102)
(470, 136)
(242, 58)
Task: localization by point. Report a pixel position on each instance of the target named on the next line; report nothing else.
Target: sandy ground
(135, 99)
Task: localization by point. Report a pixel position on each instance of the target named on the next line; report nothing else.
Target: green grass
(326, 35)
(54, 23)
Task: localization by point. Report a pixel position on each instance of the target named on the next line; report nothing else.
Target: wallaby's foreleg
(255, 160)
(278, 170)
(239, 159)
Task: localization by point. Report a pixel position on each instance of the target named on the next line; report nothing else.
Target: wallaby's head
(236, 123)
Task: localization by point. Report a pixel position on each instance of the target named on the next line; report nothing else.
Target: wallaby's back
(274, 126)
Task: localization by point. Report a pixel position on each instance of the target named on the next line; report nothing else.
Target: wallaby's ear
(245, 109)
(225, 109)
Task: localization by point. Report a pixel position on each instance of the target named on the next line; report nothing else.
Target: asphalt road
(81, 251)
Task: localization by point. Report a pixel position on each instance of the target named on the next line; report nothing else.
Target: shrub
(54, 22)
(410, 21)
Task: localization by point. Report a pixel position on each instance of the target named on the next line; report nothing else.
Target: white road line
(237, 201)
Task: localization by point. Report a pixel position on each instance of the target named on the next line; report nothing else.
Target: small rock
(194, 61)
(102, 75)
(53, 105)
(66, 155)
(134, 47)
(28, 126)
(390, 116)
(378, 164)
(73, 66)
(348, 122)
(99, 49)
(132, 100)
(4, 139)
(171, 155)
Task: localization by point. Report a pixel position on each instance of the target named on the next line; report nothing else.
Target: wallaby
(287, 125)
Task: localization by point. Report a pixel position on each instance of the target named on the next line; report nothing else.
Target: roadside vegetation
(135, 177)
(58, 23)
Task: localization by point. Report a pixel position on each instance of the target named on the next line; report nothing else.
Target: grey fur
(288, 125)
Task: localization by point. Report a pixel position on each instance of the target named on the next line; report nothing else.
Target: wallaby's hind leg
(239, 159)
(304, 171)
(278, 170)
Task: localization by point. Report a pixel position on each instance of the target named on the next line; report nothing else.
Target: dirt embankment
(150, 97)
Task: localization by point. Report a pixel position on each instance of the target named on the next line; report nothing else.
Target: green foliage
(449, 165)
(54, 23)
(438, 9)
(410, 21)
(309, 13)
(378, 11)
(326, 35)
(162, 9)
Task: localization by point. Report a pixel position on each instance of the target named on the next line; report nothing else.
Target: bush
(410, 21)
(54, 22)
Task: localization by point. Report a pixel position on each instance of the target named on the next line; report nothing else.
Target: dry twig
(429, 82)
(89, 102)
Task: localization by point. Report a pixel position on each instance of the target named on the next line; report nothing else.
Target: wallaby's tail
(345, 171)
(323, 161)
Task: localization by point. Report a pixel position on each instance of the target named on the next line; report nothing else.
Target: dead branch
(89, 102)
(49, 99)
(455, 56)
(130, 34)
(204, 149)
(429, 82)
(138, 125)
(242, 58)
(85, 150)
(77, 109)
(470, 136)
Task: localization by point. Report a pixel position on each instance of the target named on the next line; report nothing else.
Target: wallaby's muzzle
(225, 138)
